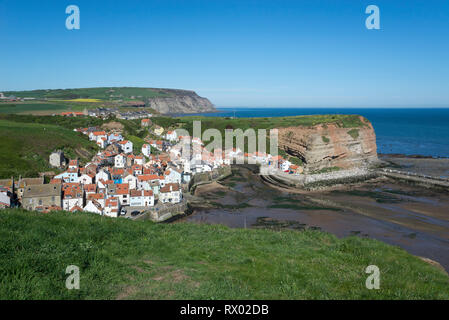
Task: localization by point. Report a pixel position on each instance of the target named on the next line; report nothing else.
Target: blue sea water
(399, 130)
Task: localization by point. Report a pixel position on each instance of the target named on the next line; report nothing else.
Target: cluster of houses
(106, 185)
(126, 115)
(103, 139)
(119, 177)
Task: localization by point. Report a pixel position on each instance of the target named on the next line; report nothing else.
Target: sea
(408, 131)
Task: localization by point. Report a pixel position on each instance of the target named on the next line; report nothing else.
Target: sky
(257, 53)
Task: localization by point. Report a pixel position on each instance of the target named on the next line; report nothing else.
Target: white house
(102, 175)
(72, 198)
(172, 176)
(199, 167)
(120, 161)
(158, 144)
(98, 197)
(285, 165)
(144, 182)
(102, 142)
(94, 135)
(86, 179)
(170, 193)
(142, 198)
(5, 199)
(131, 181)
(122, 193)
(114, 137)
(68, 176)
(126, 146)
(73, 165)
(171, 135)
(112, 207)
(138, 160)
(146, 150)
(94, 207)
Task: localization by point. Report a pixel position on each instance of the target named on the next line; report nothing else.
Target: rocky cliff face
(330, 145)
(180, 101)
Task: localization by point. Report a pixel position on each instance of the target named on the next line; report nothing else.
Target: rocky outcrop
(330, 145)
(180, 101)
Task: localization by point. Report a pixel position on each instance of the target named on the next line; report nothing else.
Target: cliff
(180, 101)
(330, 145)
(166, 101)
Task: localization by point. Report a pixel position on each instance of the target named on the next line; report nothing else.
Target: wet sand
(413, 218)
(437, 167)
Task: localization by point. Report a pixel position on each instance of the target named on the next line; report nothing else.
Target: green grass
(137, 143)
(33, 107)
(326, 170)
(105, 93)
(223, 123)
(354, 133)
(26, 147)
(66, 122)
(220, 123)
(126, 259)
(58, 100)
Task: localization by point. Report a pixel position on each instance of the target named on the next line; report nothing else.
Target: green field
(123, 259)
(24, 107)
(58, 100)
(26, 147)
(103, 93)
(220, 123)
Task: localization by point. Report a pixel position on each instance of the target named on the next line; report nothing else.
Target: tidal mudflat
(412, 217)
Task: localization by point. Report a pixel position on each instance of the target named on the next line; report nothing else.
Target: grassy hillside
(37, 107)
(126, 259)
(221, 123)
(345, 121)
(54, 101)
(105, 93)
(26, 147)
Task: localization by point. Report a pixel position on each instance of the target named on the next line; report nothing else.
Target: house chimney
(171, 188)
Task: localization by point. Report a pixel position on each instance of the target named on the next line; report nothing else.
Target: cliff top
(221, 123)
(101, 93)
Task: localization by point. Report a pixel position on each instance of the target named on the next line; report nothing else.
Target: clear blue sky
(236, 53)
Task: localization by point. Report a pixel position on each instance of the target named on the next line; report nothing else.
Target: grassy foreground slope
(123, 259)
(25, 147)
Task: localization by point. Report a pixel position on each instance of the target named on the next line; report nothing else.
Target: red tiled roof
(122, 188)
(95, 196)
(146, 177)
(173, 186)
(76, 208)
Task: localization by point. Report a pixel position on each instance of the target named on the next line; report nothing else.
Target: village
(122, 181)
